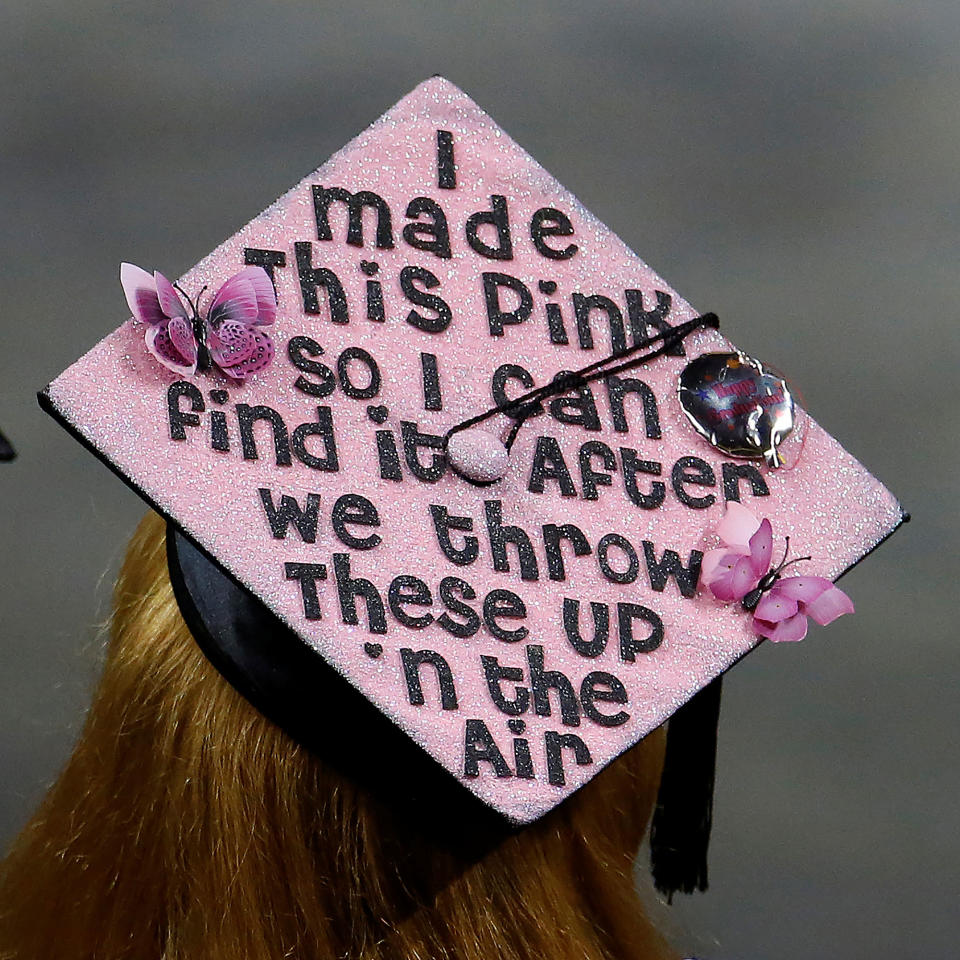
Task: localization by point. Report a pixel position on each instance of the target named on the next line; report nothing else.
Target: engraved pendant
(737, 406)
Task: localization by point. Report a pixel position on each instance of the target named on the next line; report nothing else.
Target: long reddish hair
(186, 826)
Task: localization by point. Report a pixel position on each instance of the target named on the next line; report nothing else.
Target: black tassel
(680, 833)
(6, 449)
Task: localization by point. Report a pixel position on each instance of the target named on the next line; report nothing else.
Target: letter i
(432, 398)
(219, 438)
(375, 309)
(388, 456)
(446, 165)
(521, 758)
(558, 332)
(521, 751)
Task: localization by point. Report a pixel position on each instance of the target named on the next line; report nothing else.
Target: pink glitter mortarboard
(427, 269)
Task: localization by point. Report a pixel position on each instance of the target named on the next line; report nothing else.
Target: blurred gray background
(791, 166)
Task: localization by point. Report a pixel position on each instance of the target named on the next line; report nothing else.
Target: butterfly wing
(782, 613)
(247, 297)
(170, 302)
(790, 629)
(174, 345)
(818, 597)
(738, 525)
(730, 572)
(802, 589)
(241, 308)
(761, 548)
(154, 301)
(730, 575)
(265, 293)
(775, 606)
(140, 289)
(240, 349)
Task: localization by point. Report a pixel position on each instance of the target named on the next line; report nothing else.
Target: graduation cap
(428, 425)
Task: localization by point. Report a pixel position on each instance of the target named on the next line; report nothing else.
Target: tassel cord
(529, 403)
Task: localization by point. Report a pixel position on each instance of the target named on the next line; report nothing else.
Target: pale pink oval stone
(478, 455)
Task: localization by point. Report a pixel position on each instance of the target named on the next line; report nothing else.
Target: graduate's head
(186, 824)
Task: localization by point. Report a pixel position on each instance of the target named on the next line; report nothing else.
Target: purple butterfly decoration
(741, 570)
(231, 335)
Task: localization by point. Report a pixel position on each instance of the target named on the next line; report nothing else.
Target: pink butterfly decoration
(741, 570)
(231, 335)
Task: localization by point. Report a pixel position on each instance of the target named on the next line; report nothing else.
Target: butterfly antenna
(186, 297)
(200, 294)
(786, 553)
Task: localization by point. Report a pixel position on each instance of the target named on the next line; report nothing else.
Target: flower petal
(792, 629)
(761, 548)
(775, 607)
(832, 603)
(804, 589)
(737, 526)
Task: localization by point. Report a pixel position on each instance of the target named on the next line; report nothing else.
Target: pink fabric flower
(741, 570)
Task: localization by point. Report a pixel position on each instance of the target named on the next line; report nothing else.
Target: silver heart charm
(736, 405)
